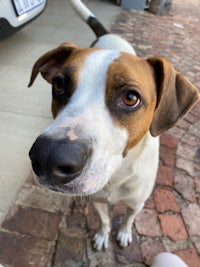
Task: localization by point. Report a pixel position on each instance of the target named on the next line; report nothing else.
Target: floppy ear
(50, 63)
(175, 95)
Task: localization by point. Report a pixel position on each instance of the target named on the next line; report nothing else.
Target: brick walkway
(37, 232)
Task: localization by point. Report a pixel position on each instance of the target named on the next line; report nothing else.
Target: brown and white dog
(109, 106)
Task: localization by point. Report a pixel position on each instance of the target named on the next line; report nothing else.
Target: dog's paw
(124, 237)
(100, 240)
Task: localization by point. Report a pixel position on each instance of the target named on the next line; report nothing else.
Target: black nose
(60, 160)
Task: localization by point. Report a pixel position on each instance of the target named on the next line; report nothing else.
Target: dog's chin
(75, 188)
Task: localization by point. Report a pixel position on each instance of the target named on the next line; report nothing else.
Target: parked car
(15, 14)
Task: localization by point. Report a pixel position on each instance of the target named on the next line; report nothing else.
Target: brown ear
(50, 63)
(175, 96)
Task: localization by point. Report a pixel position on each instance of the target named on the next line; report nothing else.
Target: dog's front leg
(124, 235)
(102, 236)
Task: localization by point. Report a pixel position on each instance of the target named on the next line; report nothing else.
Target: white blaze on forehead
(90, 92)
(92, 79)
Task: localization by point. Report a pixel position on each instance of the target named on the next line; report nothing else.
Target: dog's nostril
(36, 166)
(65, 174)
(66, 169)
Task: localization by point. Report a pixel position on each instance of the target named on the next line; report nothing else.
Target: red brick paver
(191, 216)
(190, 256)
(165, 200)
(147, 223)
(172, 226)
(37, 231)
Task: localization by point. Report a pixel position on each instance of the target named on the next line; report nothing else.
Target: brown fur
(176, 95)
(132, 72)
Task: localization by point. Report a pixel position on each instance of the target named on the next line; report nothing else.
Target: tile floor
(24, 112)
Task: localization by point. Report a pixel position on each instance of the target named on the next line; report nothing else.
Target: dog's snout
(60, 161)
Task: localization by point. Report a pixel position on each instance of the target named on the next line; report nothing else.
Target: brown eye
(58, 89)
(131, 99)
(58, 86)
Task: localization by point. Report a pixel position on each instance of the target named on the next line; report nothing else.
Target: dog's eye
(131, 99)
(58, 86)
(58, 90)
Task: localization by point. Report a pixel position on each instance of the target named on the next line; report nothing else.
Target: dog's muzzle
(59, 161)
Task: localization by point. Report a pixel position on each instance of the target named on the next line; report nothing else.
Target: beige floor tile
(32, 55)
(17, 133)
(72, 36)
(12, 48)
(18, 98)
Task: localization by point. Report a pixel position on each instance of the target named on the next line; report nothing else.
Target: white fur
(81, 9)
(131, 185)
(114, 42)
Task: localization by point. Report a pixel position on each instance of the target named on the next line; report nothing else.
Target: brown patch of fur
(130, 72)
(74, 61)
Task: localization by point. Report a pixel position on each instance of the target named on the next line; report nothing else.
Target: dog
(109, 108)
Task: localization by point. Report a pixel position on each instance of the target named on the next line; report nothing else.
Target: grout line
(54, 249)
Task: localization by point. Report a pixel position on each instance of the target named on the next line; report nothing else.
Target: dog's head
(104, 102)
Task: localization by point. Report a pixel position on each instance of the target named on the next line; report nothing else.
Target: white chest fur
(135, 178)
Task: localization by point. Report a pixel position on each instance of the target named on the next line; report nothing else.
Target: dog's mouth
(76, 181)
